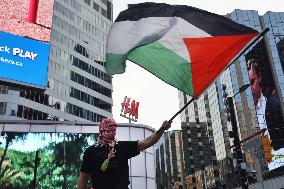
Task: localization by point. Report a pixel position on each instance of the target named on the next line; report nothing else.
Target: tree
(67, 155)
(9, 175)
(9, 138)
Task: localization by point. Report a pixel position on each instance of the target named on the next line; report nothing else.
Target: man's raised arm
(151, 140)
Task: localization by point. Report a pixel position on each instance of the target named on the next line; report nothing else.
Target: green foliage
(58, 168)
(9, 175)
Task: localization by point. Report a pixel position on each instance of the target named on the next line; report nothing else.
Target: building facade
(185, 159)
(170, 161)
(78, 86)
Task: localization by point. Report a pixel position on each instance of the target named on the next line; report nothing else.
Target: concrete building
(78, 87)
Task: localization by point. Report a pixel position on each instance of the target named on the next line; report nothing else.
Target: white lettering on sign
(24, 54)
(4, 49)
(8, 61)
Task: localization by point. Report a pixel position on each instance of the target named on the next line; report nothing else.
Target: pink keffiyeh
(107, 132)
(107, 138)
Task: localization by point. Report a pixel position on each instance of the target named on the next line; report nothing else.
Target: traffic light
(267, 148)
(225, 100)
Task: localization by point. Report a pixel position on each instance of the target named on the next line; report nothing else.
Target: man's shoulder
(92, 148)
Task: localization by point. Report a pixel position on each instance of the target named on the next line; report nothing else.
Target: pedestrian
(106, 162)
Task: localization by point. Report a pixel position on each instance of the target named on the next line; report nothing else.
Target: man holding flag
(107, 161)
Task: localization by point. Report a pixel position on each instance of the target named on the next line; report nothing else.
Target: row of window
(70, 14)
(32, 114)
(82, 50)
(90, 84)
(35, 96)
(64, 11)
(47, 100)
(84, 97)
(98, 37)
(59, 87)
(79, 34)
(91, 69)
(83, 113)
(97, 7)
(64, 56)
(74, 4)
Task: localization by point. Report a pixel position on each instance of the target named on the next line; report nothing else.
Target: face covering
(107, 132)
(107, 139)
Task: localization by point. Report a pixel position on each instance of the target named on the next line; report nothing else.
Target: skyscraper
(78, 86)
(250, 120)
(169, 161)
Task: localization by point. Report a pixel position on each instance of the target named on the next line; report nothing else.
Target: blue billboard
(23, 61)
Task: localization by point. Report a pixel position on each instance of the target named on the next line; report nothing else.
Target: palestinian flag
(184, 46)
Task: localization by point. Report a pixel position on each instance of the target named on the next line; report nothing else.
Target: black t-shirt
(117, 174)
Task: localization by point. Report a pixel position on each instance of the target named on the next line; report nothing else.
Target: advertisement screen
(265, 96)
(23, 60)
(25, 27)
(57, 156)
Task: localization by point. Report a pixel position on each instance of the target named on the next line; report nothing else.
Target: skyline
(158, 100)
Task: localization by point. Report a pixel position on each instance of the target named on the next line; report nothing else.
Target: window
(96, 6)
(87, 2)
(104, 2)
(3, 108)
(104, 12)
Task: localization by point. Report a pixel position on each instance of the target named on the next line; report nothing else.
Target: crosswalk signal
(267, 148)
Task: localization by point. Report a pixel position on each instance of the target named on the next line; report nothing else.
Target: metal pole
(205, 180)
(32, 14)
(251, 136)
(172, 118)
(237, 144)
(35, 169)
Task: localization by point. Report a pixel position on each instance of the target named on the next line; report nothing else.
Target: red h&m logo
(130, 109)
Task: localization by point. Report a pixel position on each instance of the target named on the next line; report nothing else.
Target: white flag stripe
(173, 40)
(127, 35)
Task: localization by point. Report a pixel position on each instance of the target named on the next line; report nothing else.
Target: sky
(158, 101)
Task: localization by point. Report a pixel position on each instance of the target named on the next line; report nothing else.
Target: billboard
(265, 95)
(23, 60)
(25, 27)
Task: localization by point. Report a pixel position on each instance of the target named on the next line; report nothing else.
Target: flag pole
(191, 100)
(245, 49)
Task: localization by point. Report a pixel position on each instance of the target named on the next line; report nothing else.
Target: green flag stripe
(115, 63)
(164, 64)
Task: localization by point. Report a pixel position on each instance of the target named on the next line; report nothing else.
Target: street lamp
(242, 89)
(237, 144)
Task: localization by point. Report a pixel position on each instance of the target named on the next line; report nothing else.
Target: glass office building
(78, 87)
(169, 161)
(270, 50)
